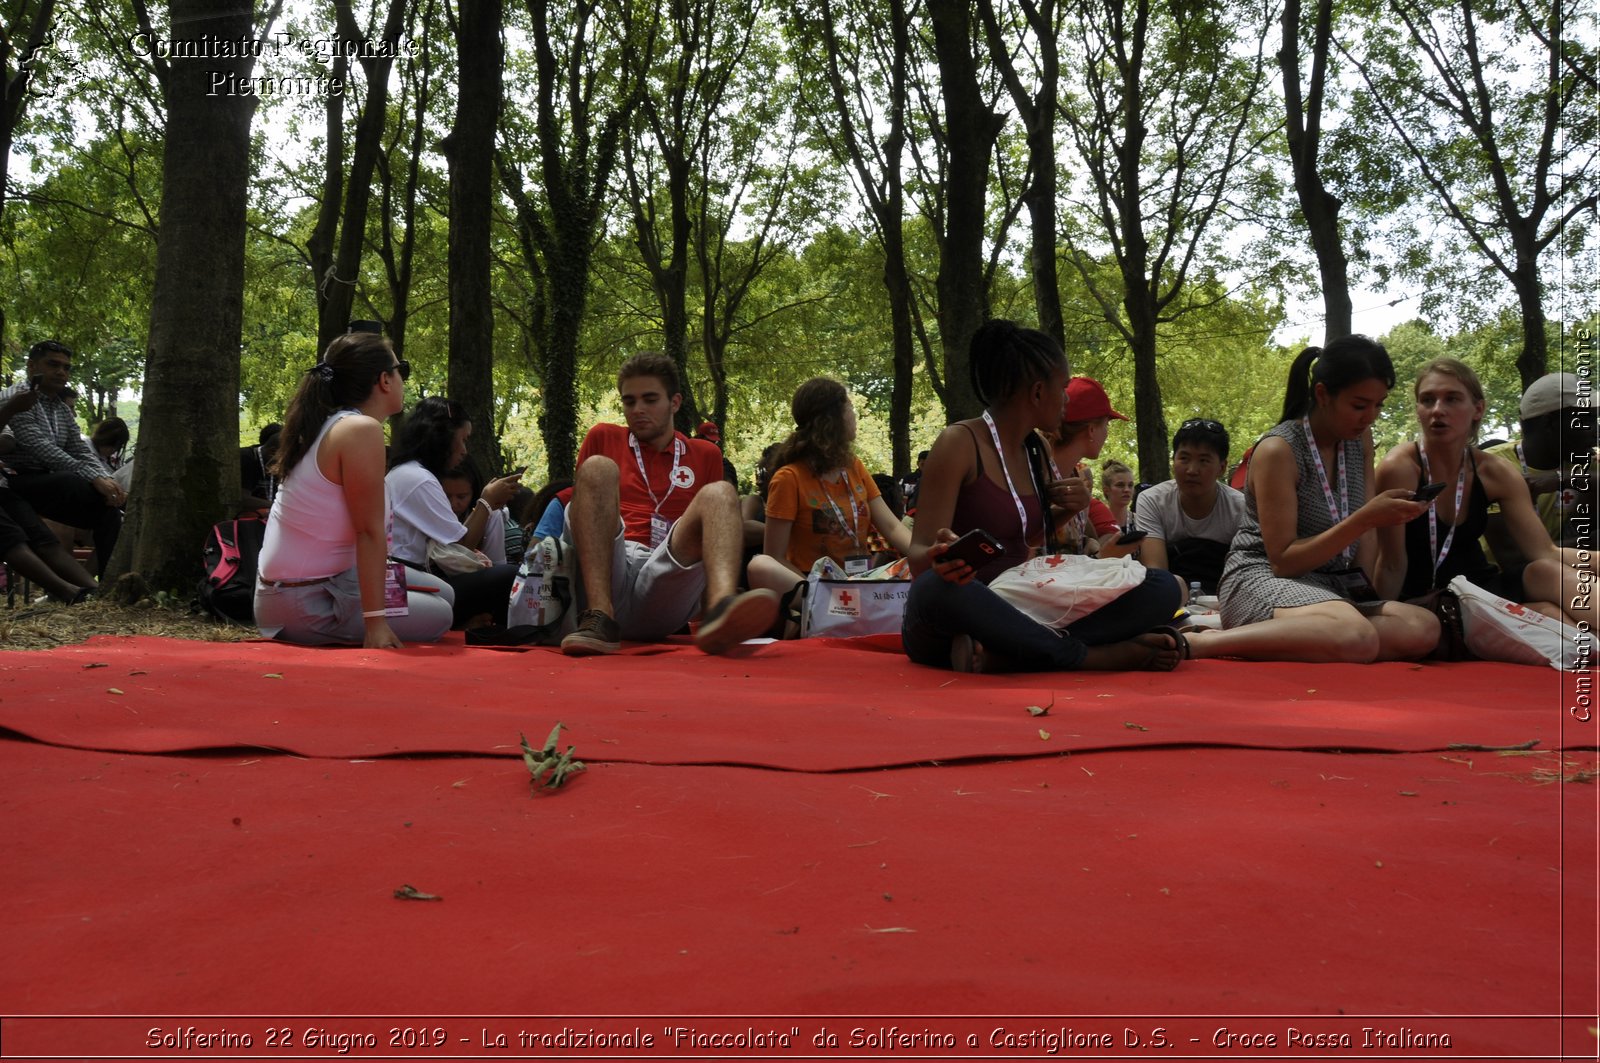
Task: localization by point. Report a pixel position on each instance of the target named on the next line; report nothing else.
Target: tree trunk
(1304, 133)
(470, 151)
(1533, 362)
(970, 131)
(186, 472)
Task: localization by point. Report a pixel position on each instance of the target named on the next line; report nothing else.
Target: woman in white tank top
(324, 575)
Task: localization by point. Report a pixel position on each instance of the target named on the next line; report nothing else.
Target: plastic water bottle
(1194, 593)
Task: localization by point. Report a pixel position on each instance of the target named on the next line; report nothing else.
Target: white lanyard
(855, 510)
(1338, 508)
(994, 434)
(1438, 553)
(672, 477)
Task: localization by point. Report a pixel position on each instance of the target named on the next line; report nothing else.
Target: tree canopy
(525, 194)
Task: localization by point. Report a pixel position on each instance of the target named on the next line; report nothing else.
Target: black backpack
(232, 550)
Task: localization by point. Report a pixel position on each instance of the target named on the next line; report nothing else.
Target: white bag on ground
(542, 593)
(838, 607)
(1057, 589)
(1501, 630)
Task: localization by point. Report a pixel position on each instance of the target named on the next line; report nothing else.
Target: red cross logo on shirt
(683, 476)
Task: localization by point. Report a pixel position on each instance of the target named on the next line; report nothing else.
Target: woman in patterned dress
(1297, 585)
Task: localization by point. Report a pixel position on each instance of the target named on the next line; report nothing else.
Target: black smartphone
(1427, 493)
(1132, 535)
(977, 548)
(35, 382)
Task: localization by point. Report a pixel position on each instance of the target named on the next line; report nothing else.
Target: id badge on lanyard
(857, 565)
(660, 527)
(394, 590)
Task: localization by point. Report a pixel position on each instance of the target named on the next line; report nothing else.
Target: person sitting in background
(255, 469)
(1556, 457)
(1084, 523)
(324, 574)
(548, 508)
(1427, 553)
(1297, 584)
(753, 507)
(1116, 490)
(516, 530)
(1190, 520)
(432, 442)
(709, 431)
(33, 551)
(821, 502)
(56, 470)
(655, 528)
(985, 474)
(110, 440)
(909, 482)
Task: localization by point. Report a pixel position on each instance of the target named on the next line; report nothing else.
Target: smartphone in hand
(1427, 493)
(35, 382)
(1132, 535)
(977, 548)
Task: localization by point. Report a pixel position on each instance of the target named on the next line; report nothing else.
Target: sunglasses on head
(1202, 422)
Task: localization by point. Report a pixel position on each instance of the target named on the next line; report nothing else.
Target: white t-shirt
(421, 512)
(1160, 512)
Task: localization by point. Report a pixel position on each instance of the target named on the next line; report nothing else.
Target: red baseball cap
(1087, 401)
(709, 430)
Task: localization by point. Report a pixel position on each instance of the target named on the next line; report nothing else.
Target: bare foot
(1154, 651)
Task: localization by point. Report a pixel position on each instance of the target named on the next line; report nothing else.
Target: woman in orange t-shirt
(821, 502)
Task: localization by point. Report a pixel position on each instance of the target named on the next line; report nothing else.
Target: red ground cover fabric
(818, 830)
(818, 705)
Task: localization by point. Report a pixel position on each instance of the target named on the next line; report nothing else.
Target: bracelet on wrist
(373, 614)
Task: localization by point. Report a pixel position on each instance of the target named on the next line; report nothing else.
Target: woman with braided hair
(990, 472)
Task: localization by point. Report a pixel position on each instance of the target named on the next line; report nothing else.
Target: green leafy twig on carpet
(549, 767)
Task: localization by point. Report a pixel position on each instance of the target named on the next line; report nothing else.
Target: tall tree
(705, 43)
(187, 473)
(470, 151)
(340, 235)
(1033, 93)
(1168, 111)
(968, 133)
(865, 46)
(20, 63)
(1495, 104)
(589, 61)
(399, 169)
(1303, 112)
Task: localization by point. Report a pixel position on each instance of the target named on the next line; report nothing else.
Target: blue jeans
(937, 611)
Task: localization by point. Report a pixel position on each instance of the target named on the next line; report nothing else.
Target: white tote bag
(1057, 589)
(541, 594)
(1501, 630)
(836, 607)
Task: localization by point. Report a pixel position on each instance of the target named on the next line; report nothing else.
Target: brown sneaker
(736, 618)
(597, 634)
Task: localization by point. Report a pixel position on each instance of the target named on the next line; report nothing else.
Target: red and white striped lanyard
(1022, 513)
(672, 477)
(1434, 549)
(1338, 508)
(855, 510)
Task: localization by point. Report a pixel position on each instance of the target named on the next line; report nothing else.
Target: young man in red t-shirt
(656, 529)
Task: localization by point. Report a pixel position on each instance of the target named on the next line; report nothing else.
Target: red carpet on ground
(821, 829)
